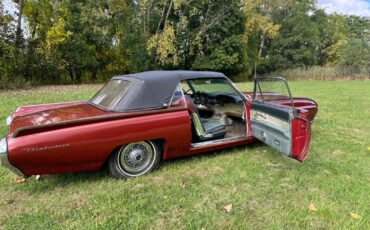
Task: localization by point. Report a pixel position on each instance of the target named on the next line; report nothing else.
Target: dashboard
(209, 99)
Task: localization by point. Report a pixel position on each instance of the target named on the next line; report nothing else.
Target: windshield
(212, 85)
(110, 95)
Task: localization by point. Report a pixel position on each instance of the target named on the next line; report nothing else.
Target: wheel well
(162, 145)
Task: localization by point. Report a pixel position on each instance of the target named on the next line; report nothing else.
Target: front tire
(134, 159)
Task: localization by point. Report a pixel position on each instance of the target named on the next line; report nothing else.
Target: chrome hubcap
(135, 157)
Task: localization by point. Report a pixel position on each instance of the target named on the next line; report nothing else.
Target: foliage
(260, 28)
(164, 46)
(81, 41)
(296, 44)
(6, 40)
(355, 54)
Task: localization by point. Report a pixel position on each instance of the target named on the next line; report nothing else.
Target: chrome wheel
(136, 158)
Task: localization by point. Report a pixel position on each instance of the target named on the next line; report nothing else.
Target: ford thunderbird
(137, 120)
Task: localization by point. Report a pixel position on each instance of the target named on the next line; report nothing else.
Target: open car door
(275, 120)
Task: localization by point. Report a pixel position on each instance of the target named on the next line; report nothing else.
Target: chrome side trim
(5, 161)
(221, 141)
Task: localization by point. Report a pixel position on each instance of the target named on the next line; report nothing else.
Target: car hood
(54, 113)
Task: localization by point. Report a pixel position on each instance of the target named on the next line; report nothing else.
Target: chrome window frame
(173, 96)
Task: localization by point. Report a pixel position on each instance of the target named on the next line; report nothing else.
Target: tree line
(51, 41)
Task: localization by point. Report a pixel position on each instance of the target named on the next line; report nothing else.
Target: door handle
(263, 116)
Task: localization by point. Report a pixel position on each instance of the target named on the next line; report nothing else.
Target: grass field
(331, 190)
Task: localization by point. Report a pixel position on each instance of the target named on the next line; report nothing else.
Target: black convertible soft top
(154, 89)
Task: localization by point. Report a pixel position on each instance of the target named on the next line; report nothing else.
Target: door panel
(274, 110)
(271, 129)
(282, 127)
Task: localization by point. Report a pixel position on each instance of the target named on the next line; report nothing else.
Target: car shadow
(212, 154)
(53, 182)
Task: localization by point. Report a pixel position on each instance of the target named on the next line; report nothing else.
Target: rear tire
(134, 159)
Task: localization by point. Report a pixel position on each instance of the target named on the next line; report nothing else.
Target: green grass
(266, 189)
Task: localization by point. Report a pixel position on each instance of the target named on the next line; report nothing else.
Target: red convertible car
(137, 120)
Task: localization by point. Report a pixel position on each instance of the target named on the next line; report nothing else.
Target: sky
(349, 7)
(8, 6)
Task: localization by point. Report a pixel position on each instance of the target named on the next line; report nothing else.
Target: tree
(19, 34)
(218, 43)
(261, 28)
(163, 46)
(345, 32)
(355, 54)
(6, 44)
(93, 39)
(259, 21)
(298, 42)
(334, 35)
(79, 39)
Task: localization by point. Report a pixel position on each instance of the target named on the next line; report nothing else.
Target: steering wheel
(196, 95)
(201, 98)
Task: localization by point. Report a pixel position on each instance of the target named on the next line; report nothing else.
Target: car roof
(179, 75)
(151, 89)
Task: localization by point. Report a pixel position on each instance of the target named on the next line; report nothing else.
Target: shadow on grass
(49, 183)
(212, 154)
(53, 182)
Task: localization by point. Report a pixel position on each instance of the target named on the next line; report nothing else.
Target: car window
(110, 95)
(271, 90)
(212, 85)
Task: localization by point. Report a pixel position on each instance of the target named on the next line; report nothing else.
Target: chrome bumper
(9, 120)
(5, 161)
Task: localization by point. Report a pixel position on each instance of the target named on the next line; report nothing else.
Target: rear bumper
(4, 160)
(9, 120)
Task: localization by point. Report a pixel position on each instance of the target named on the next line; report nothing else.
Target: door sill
(217, 142)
